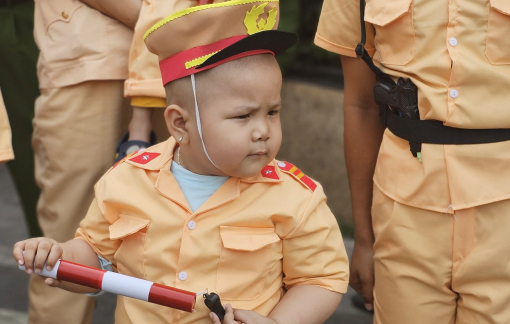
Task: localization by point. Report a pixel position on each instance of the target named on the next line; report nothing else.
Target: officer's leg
(18, 81)
(481, 272)
(413, 262)
(76, 129)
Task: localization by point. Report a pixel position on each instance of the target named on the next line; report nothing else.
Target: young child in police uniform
(211, 207)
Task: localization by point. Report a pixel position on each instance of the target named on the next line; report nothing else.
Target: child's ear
(176, 119)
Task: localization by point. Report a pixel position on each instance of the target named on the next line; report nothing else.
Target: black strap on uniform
(361, 51)
(424, 131)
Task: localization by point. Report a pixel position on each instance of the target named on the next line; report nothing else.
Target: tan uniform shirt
(78, 43)
(144, 74)
(6, 152)
(458, 54)
(249, 240)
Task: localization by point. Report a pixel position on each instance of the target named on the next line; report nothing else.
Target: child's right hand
(38, 251)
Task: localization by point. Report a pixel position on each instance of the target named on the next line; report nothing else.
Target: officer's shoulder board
(297, 174)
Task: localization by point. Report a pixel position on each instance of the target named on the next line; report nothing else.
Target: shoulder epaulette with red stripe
(291, 169)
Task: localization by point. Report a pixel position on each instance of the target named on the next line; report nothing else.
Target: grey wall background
(312, 122)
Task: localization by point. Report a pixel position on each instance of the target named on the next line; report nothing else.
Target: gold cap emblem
(250, 20)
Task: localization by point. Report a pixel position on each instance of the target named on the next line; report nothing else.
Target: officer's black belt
(435, 132)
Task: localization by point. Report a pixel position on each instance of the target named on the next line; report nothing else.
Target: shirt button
(183, 275)
(192, 225)
(281, 164)
(453, 41)
(454, 93)
(65, 15)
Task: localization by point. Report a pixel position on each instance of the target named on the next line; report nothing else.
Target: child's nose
(261, 133)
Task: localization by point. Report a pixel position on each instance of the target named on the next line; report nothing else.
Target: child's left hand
(240, 316)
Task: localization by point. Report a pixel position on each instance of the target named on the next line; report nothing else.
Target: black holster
(400, 99)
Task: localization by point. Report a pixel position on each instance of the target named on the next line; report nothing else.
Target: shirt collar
(159, 157)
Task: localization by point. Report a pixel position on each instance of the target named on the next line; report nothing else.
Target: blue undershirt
(197, 188)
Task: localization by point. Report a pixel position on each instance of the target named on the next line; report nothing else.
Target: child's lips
(260, 153)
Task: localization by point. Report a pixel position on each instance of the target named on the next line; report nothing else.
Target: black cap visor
(272, 40)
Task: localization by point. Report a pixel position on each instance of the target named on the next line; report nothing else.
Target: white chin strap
(199, 124)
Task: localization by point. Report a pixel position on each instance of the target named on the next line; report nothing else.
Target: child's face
(240, 116)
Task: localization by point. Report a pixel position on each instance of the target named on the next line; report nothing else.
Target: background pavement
(13, 283)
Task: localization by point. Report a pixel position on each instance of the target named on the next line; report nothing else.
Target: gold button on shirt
(458, 54)
(249, 240)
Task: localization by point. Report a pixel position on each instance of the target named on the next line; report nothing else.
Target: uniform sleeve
(314, 253)
(6, 152)
(144, 76)
(94, 228)
(339, 29)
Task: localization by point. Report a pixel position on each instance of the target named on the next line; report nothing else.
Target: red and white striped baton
(120, 284)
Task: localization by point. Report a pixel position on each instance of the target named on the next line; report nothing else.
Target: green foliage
(302, 17)
(289, 22)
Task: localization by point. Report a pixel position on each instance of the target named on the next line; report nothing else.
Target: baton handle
(120, 284)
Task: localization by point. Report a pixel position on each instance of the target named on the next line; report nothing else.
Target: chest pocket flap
(247, 238)
(126, 225)
(383, 12)
(502, 6)
(497, 47)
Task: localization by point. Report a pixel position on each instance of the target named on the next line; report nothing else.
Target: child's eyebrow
(256, 107)
(276, 105)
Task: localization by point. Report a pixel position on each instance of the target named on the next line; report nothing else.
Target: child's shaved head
(180, 92)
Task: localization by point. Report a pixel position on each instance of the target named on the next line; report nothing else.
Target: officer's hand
(362, 272)
(38, 251)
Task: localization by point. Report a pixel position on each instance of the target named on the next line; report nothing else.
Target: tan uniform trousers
(440, 268)
(76, 129)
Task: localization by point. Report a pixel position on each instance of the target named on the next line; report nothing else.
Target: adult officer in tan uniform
(79, 117)
(433, 233)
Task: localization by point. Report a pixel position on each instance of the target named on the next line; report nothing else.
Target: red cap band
(175, 67)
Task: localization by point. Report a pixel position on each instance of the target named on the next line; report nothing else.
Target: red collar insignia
(269, 172)
(145, 157)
